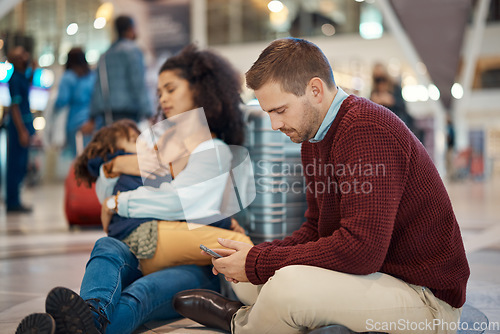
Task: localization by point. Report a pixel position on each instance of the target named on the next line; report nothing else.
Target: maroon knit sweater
(376, 203)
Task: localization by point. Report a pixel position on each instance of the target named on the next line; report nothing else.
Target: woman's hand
(106, 214)
(150, 162)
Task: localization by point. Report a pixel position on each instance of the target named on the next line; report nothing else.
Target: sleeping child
(156, 243)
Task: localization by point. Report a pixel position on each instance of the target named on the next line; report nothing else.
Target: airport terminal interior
(445, 56)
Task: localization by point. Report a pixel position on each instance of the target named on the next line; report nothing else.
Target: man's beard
(311, 115)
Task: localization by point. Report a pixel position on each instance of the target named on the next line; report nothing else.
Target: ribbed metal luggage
(280, 202)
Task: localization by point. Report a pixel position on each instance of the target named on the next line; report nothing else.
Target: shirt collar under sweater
(330, 115)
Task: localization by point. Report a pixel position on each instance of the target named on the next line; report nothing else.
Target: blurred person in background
(388, 93)
(19, 126)
(120, 90)
(75, 92)
(117, 295)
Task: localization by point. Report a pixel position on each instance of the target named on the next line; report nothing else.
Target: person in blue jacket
(20, 128)
(121, 90)
(75, 92)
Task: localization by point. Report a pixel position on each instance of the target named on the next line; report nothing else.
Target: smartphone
(209, 251)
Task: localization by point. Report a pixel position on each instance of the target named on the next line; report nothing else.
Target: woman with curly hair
(123, 286)
(159, 238)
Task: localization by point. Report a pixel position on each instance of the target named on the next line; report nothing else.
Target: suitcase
(280, 202)
(81, 205)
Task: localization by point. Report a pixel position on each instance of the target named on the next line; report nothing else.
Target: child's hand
(236, 227)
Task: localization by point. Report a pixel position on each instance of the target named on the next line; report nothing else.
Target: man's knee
(286, 276)
(281, 287)
(295, 284)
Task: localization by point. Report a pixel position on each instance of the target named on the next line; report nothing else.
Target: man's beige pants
(298, 299)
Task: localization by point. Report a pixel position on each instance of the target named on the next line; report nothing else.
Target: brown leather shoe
(206, 307)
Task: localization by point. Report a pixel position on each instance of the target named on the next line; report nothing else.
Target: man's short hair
(291, 62)
(122, 24)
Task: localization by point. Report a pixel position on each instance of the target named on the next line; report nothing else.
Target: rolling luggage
(81, 205)
(280, 202)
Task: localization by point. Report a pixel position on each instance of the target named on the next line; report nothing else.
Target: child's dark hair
(102, 144)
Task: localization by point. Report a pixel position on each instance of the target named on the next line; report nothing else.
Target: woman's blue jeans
(130, 299)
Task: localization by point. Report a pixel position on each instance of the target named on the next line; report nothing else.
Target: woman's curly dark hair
(216, 87)
(103, 144)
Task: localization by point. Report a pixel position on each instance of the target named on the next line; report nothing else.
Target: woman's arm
(122, 164)
(196, 192)
(144, 164)
(111, 170)
(104, 185)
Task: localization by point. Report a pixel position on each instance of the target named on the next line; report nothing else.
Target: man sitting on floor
(380, 245)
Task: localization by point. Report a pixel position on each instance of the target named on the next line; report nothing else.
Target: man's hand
(22, 133)
(106, 215)
(232, 265)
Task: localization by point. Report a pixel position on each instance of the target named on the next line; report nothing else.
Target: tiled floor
(38, 252)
